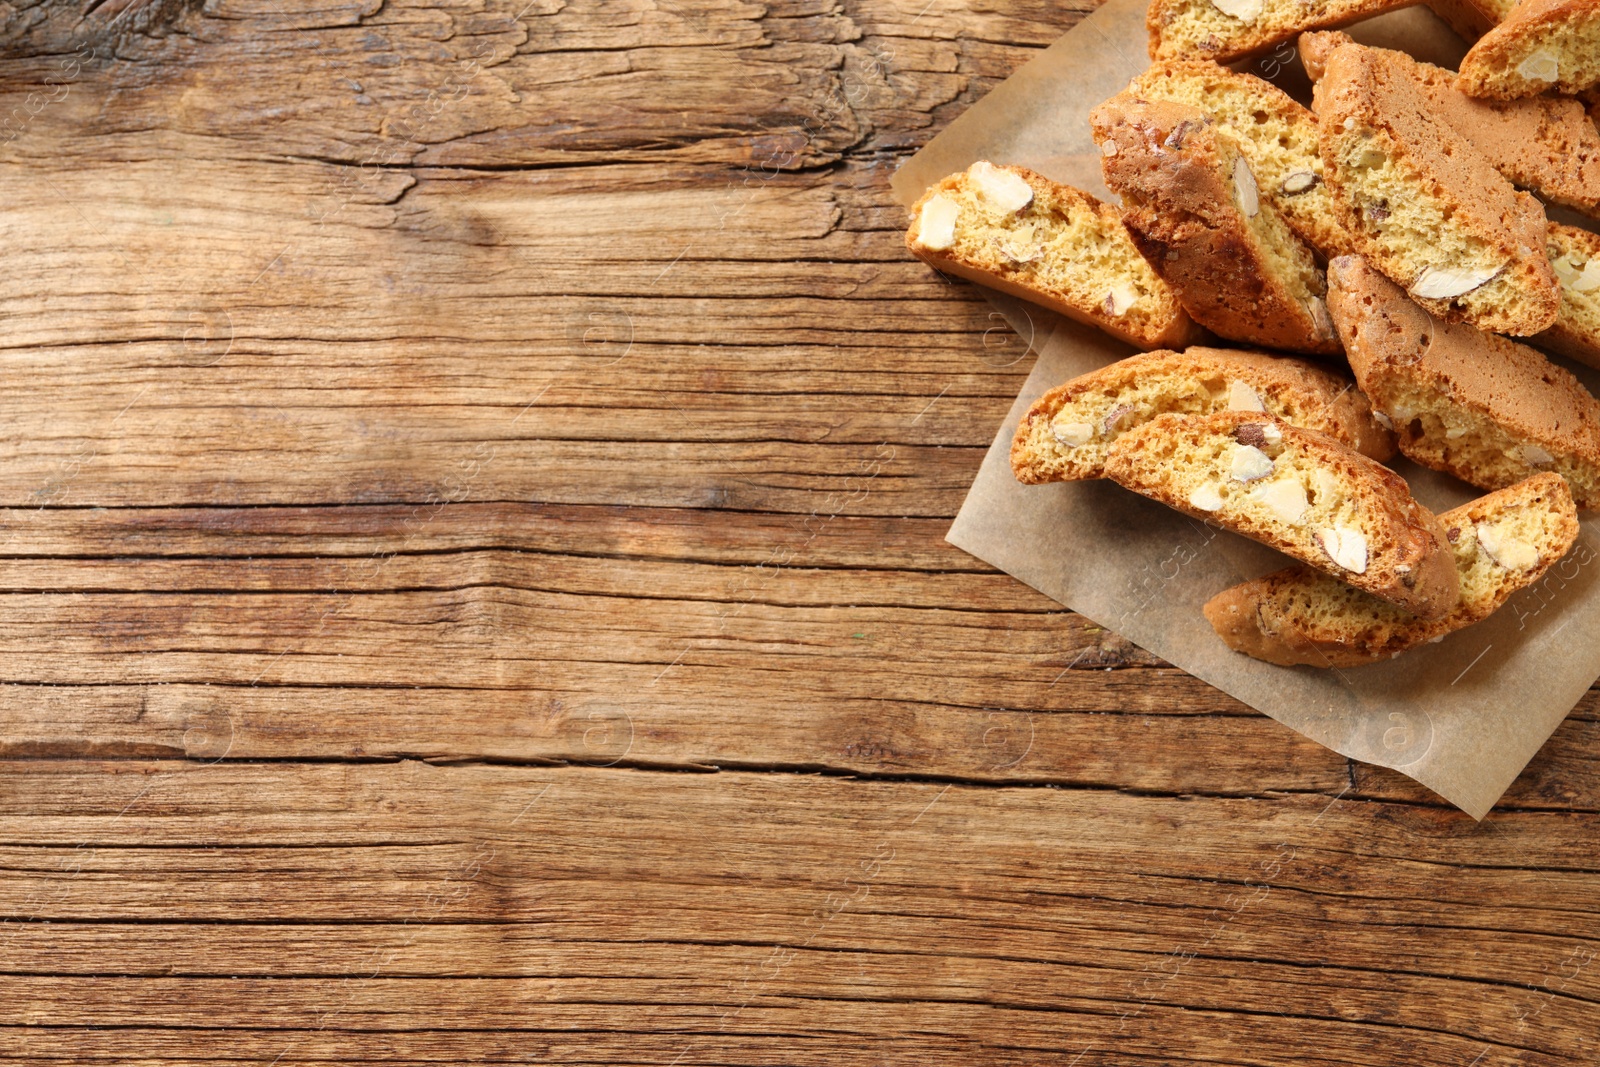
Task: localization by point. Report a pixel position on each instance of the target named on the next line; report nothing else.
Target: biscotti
(1540, 45)
(1502, 542)
(1013, 230)
(1225, 30)
(1193, 207)
(1298, 491)
(1575, 255)
(1425, 206)
(1066, 433)
(1545, 143)
(1277, 134)
(1480, 407)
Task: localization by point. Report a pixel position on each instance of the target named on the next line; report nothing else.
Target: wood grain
(508, 899)
(473, 589)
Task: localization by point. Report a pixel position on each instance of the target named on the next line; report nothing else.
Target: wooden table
(474, 489)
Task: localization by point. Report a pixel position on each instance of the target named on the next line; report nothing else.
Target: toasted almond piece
(1441, 283)
(1508, 551)
(1248, 464)
(1001, 189)
(1120, 300)
(1286, 497)
(1541, 66)
(1245, 189)
(1589, 280)
(1243, 398)
(1301, 181)
(938, 227)
(1073, 434)
(1246, 11)
(1346, 546)
(1206, 498)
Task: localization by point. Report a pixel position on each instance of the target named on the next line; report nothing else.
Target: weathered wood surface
(472, 589)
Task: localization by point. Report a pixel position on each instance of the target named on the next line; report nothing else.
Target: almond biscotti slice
(1194, 208)
(1225, 30)
(1277, 134)
(1066, 433)
(1013, 230)
(1480, 407)
(1298, 491)
(1540, 45)
(1425, 206)
(1502, 542)
(1544, 143)
(1575, 255)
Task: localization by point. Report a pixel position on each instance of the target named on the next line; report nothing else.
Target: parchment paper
(1463, 716)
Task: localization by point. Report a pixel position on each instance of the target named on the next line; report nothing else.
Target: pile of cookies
(1391, 229)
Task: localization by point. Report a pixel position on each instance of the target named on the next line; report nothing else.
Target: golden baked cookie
(1065, 435)
(1426, 207)
(1059, 247)
(1502, 542)
(1277, 134)
(1540, 45)
(1300, 492)
(1575, 255)
(1193, 206)
(1544, 143)
(1480, 407)
(1225, 30)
